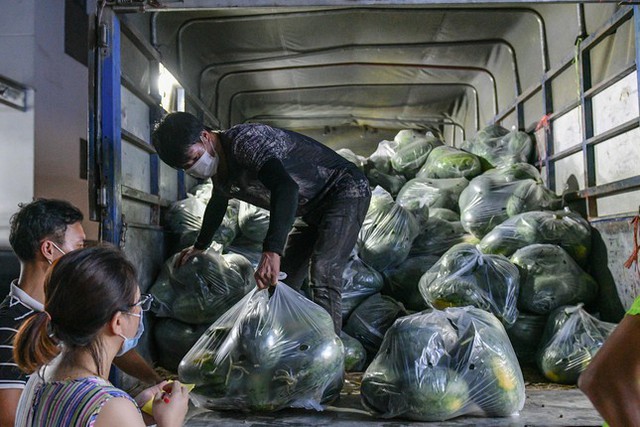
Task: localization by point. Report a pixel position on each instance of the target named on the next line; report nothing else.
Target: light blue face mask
(130, 343)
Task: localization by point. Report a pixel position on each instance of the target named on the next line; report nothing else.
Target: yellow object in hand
(634, 310)
(148, 407)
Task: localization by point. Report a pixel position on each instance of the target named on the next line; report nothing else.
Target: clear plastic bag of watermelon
(439, 364)
(274, 349)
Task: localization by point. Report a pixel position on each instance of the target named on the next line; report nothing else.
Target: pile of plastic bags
(457, 245)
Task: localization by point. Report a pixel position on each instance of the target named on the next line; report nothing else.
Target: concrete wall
(17, 145)
(40, 149)
(61, 113)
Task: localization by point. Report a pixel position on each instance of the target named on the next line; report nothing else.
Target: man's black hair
(174, 135)
(39, 220)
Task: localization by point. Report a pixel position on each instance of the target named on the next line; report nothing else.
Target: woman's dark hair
(39, 220)
(174, 135)
(83, 291)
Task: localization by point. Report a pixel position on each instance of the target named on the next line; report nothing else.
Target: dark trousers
(319, 246)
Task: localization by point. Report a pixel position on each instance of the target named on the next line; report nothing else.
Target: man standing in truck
(40, 233)
(287, 173)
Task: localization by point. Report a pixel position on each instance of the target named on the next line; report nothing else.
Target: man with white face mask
(287, 173)
(41, 232)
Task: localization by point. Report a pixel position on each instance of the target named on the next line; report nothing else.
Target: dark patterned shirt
(318, 170)
(17, 307)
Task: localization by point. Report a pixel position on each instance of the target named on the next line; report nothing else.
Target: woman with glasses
(93, 312)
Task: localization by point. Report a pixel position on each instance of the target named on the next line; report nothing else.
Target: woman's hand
(147, 395)
(170, 405)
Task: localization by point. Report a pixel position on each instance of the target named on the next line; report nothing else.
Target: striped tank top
(64, 403)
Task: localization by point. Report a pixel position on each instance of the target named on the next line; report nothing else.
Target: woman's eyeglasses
(144, 302)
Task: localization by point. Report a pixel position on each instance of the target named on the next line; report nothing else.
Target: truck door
(129, 185)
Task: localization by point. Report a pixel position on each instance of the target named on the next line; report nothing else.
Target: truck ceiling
(370, 65)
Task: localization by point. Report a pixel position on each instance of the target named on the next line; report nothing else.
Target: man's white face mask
(205, 167)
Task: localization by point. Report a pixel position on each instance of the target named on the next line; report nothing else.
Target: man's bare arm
(133, 364)
(9, 398)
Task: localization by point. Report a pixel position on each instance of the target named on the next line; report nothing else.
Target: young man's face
(197, 150)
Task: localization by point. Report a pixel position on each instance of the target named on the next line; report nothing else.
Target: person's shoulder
(4, 304)
(248, 131)
(13, 311)
(250, 126)
(119, 409)
(99, 386)
(6, 297)
(4, 309)
(107, 403)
